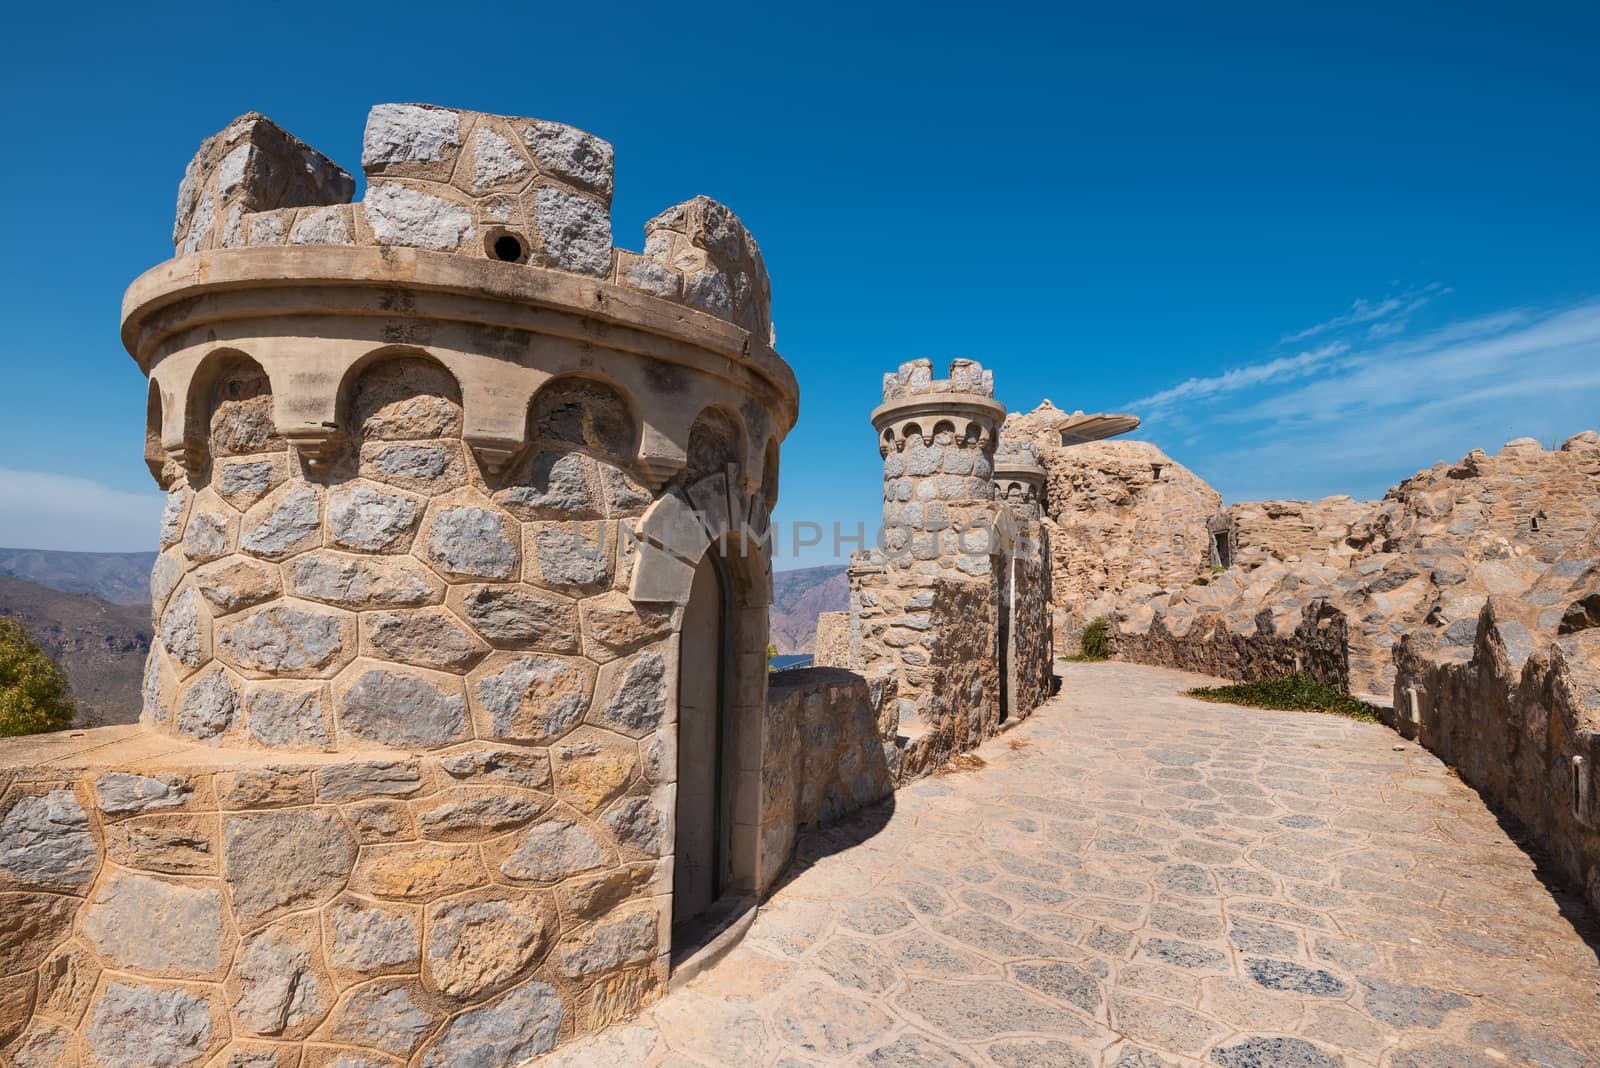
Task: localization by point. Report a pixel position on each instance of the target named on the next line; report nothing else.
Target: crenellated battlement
(958, 411)
(515, 190)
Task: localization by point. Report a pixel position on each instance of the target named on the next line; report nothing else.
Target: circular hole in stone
(508, 248)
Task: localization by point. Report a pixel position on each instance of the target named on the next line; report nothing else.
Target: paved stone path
(1138, 879)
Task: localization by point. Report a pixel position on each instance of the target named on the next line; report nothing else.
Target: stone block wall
(824, 755)
(833, 640)
(187, 905)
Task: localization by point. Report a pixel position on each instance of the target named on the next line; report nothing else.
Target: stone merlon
(496, 187)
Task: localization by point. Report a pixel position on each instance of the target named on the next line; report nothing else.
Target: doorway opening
(700, 874)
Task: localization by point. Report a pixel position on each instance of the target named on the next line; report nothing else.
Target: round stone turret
(1019, 478)
(937, 438)
(428, 456)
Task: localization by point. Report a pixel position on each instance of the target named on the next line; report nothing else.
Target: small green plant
(33, 691)
(1201, 581)
(1095, 644)
(1293, 693)
(1217, 569)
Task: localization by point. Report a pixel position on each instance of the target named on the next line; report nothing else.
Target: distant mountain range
(798, 597)
(121, 578)
(101, 646)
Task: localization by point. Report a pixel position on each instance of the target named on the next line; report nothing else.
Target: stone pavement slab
(1137, 879)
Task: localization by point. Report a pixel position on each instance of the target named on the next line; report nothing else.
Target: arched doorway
(701, 873)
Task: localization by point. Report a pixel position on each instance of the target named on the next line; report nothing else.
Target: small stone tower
(1026, 610)
(448, 478)
(925, 605)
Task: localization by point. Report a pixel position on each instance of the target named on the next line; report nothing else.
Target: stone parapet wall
(1518, 717)
(1309, 639)
(824, 753)
(516, 190)
(186, 904)
(833, 640)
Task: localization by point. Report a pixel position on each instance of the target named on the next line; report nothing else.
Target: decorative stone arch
(769, 474)
(717, 439)
(565, 390)
(389, 358)
(156, 459)
(223, 375)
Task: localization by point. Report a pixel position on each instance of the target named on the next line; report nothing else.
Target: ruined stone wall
(824, 753)
(403, 787)
(1291, 531)
(1119, 514)
(1517, 712)
(1310, 641)
(833, 640)
(1032, 650)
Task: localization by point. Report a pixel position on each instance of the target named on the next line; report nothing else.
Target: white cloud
(1281, 369)
(1372, 311)
(48, 511)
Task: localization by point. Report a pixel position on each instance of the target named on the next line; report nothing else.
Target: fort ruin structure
(456, 733)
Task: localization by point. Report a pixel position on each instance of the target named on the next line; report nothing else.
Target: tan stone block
(480, 942)
(380, 821)
(67, 978)
(34, 924)
(618, 997)
(279, 985)
(613, 624)
(237, 582)
(592, 767)
(468, 813)
(16, 1005)
(262, 788)
(173, 844)
(586, 896)
(418, 871)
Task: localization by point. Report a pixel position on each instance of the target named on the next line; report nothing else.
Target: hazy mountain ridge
(798, 597)
(101, 646)
(121, 578)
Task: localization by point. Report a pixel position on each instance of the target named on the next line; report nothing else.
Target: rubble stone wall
(1311, 642)
(833, 640)
(825, 756)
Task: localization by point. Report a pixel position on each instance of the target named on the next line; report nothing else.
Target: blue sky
(1316, 251)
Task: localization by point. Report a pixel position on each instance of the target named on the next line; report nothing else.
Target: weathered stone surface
(576, 230)
(535, 699)
(34, 924)
(363, 582)
(185, 631)
(274, 861)
(138, 1026)
(208, 707)
(398, 708)
(368, 778)
(407, 133)
(467, 813)
(638, 824)
(286, 717)
(366, 520)
(428, 638)
(285, 639)
(172, 515)
(206, 536)
(322, 226)
(230, 585)
(638, 694)
(67, 979)
(43, 1046)
(292, 524)
(419, 871)
(521, 618)
(402, 215)
(593, 767)
(242, 484)
(575, 556)
(610, 943)
(556, 485)
(520, 766)
(614, 624)
(279, 988)
(552, 851)
(1276, 1053)
(383, 1015)
(495, 162)
(263, 788)
(587, 896)
(477, 945)
(119, 793)
(571, 154)
(473, 543)
(418, 462)
(505, 1033)
(45, 839)
(173, 844)
(367, 939)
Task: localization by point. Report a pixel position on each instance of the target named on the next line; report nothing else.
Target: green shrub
(1096, 641)
(1294, 693)
(1201, 581)
(33, 691)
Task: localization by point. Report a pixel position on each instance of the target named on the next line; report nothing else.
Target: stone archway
(701, 849)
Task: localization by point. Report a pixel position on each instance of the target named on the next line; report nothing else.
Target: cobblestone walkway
(1137, 879)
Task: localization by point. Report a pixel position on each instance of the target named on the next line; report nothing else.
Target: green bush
(1201, 581)
(1096, 641)
(1293, 693)
(33, 691)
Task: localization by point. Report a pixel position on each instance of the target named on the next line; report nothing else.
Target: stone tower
(1026, 607)
(446, 473)
(925, 604)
